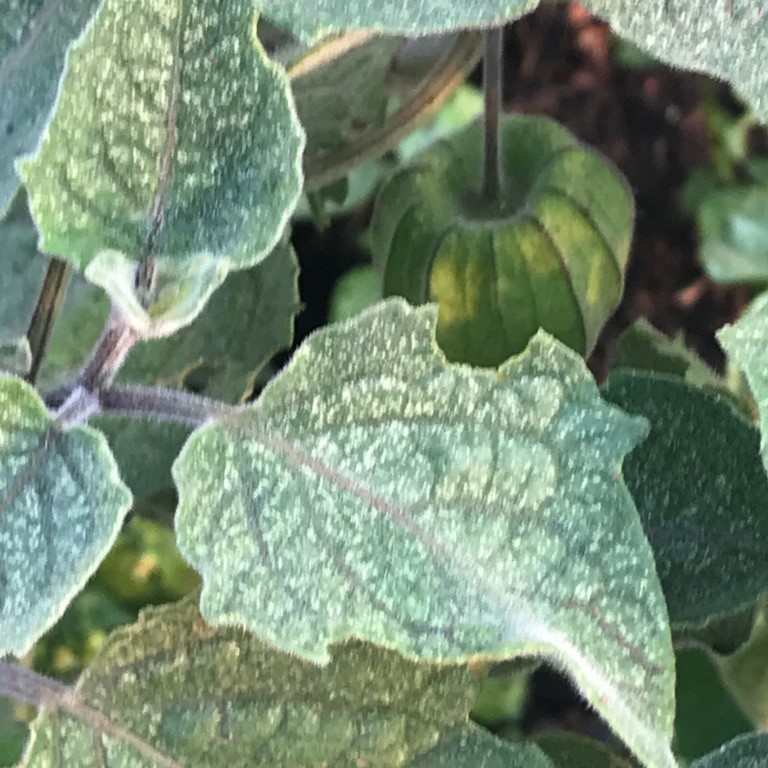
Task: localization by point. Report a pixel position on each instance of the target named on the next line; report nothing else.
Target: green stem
(492, 82)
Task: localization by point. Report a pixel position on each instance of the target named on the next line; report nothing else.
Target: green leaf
(355, 291)
(707, 716)
(749, 751)
(181, 292)
(15, 356)
(61, 506)
(572, 750)
(734, 235)
(374, 491)
(702, 494)
(171, 691)
(174, 137)
(746, 344)
(551, 253)
(34, 37)
(312, 19)
(727, 40)
(745, 672)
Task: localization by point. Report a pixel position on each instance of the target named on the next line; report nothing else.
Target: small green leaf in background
(746, 344)
(374, 491)
(15, 356)
(172, 691)
(355, 291)
(572, 750)
(551, 253)
(61, 506)
(744, 752)
(174, 137)
(707, 716)
(702, 494)
(745, 672)
(733, 225)
(34, 37)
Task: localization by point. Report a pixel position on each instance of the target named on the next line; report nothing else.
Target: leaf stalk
(492, 89)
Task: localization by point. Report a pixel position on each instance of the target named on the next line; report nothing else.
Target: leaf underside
(170, 691)
(61, 506)
(749, 751)
(375, 492)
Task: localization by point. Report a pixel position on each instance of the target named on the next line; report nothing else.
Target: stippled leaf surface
(744, 752)
(728, 40)
(174, 136)
(702, 493)
(311, 19)
(746, 344)
(61, 506)
(170, 691)
(34, 37)
(375, 491)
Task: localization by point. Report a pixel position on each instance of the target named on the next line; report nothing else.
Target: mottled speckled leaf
(725, 39)
(174, 136)
(170, 691)
(749, 751)
(311, 19)
(61, 506)
(375, 491)
(746, 344)
(702, 494)
(34, 37)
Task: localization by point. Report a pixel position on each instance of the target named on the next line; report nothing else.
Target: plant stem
(161, 404)
(22, 684)
(109, 354)
(49, 302)
(492, 81)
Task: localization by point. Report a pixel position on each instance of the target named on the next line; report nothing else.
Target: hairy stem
(109, 355)
(22, 684)
(161, 404)
(49, 301)
(492, 81)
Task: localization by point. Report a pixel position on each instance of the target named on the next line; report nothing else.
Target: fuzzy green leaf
(34, 37)
(702, 493)
(61, 506)
(725, 39)
(749, 751)
(312, 19)
(174, 136)
(746, 343)
(170, 691)
(375, 491)
(15, 355)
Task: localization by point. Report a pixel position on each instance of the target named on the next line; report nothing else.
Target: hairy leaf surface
(174, 136)
(34, 37)
(61, 506)
(170, 691)
(746, 343)
(702, 493)
(375, 491)
(724, 39)
(749, 751)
